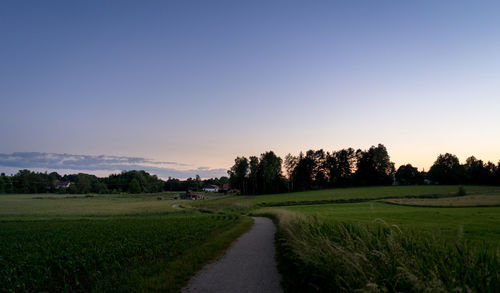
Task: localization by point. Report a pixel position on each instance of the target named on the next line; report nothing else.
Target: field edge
(176, 274)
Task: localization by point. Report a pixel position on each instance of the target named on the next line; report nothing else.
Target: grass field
(21, 205)
(377, 246)
(57, 243)
(70, 205)
(339, 195)
(364, 193)
(397, 238)
(331, 256)
(474, 224)
(478, 200)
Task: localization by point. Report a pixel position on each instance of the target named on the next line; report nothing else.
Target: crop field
(57, 243)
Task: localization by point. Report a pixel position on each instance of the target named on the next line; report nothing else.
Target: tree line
(317, 169)
(26, 181)
(268, 173)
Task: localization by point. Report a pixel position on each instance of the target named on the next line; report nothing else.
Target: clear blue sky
(197, 83)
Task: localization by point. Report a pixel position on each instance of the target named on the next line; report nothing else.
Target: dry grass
(456, 201)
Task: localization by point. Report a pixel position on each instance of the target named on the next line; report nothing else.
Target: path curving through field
(248, 266)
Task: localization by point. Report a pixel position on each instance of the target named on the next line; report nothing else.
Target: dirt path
(248, 266)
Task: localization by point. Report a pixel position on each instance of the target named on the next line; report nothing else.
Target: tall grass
(319, 256)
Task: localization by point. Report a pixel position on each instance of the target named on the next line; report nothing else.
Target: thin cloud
(53, 161)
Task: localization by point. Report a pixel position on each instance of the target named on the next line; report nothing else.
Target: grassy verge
(319, 256)
(174, 275)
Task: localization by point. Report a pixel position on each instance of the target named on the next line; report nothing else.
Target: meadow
(32, 205)
(364, 193)
(245, 204)
(475, 224)
(340, 256)
(378, 246)
(57, 243)
(395, 238)
(477, 200)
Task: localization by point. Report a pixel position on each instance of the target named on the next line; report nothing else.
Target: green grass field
(476, 224)
(365, 193)
(339, 195)
(99, 243)
(476, 200)
(377, 246)
(330, 240)
(21, 205)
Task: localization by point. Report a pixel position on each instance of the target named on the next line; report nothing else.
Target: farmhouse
(190, 195)
(62, 184)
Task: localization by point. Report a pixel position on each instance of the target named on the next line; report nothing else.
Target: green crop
(80, 255)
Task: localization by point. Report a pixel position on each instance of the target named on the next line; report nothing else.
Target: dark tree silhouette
(340, 166)
(269, 173)
(374, 166)
(238, 174)
(447, 170)
(253, 177)
(303, 172)
(476, 172)
(408, 175)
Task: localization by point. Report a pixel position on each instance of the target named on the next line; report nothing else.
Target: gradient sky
(201, 82)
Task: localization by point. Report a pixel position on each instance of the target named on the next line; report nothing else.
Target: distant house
(185, 195)
(211, 188)
(190, 195)
(225, 187)
(62, 184)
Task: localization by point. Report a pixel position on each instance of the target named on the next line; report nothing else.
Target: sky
(181, 88)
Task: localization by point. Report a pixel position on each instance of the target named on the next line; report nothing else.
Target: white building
(211, 188)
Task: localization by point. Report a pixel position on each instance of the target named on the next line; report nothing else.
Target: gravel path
(248, 266)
